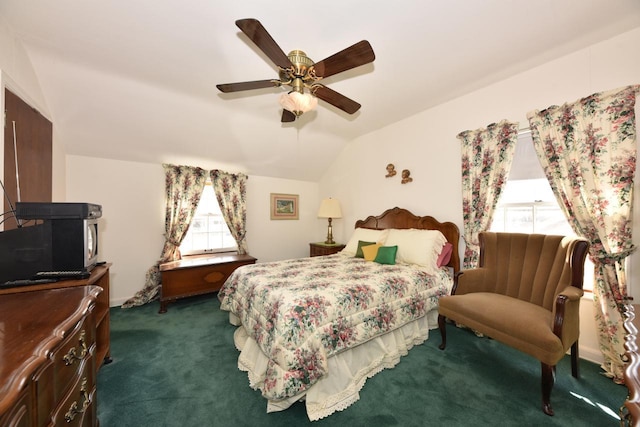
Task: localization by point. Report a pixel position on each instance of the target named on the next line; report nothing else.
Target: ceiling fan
(299, 72)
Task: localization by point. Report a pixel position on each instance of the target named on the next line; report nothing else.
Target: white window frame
(208, 213)
(533, 205)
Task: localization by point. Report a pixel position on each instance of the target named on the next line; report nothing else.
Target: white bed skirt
(347, 371)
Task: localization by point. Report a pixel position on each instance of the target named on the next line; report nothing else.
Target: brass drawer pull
(72, 355)
(86, 401)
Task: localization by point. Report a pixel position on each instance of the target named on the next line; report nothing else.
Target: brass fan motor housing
(299, 74)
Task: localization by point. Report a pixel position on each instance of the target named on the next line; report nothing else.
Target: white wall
(132, 223)
(271, 240)
(427, 145)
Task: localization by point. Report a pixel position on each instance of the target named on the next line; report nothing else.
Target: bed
(316, 328)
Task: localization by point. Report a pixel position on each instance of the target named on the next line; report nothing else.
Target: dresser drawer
(71, 356)
(78, 406)
(320, 249)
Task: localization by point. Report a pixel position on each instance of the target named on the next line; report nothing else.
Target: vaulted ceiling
(135, 80)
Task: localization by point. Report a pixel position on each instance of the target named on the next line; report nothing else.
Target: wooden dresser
(99, 277)
(48, 357)
(197, 275)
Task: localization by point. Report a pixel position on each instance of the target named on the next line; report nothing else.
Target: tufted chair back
(530, 267)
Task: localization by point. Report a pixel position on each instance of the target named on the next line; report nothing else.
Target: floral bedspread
(302, 311)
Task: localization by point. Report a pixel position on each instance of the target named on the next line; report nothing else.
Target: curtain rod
(524, 131)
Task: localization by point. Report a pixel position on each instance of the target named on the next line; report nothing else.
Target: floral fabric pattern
(302, 311)
(487, 155)
(588, 152)
(231, 192)
(183, 189)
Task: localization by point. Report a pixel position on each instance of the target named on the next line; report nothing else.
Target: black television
(64, 238)
(74, 244)
(24, 252)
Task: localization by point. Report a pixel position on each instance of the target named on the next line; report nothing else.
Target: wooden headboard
(402, 219)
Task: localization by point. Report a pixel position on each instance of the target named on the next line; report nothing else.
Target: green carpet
(180, 369)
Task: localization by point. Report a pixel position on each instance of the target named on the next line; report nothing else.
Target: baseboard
(119, 301)
(591, 354)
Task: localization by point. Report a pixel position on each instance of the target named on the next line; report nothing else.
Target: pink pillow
(445, 255)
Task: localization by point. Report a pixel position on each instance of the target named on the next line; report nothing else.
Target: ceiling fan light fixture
(297, 71)
(298, 103)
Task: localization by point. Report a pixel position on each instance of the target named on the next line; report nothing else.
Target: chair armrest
(572, 293)
(468, 281)
(566, 315)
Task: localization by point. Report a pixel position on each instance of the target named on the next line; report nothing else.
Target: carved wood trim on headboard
(402, 219)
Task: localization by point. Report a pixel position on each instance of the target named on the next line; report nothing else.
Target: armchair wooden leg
(548, 378)
(443, 331)
(575, 360)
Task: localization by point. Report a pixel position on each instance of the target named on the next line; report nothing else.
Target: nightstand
(320, 248)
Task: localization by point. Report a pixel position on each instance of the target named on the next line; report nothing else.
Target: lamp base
(329, 240)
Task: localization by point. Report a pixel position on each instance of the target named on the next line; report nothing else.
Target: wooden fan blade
(237, 87)
(259, 35)
(359, 54)
(336, 99)
(288, 116)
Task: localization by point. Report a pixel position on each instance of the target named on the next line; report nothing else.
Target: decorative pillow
(420, 247)
(386, 255)
(370, 251)
(366, 235)
(361, 243)
(445, 255)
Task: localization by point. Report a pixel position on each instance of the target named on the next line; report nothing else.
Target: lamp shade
(329, 208)
(298, 103)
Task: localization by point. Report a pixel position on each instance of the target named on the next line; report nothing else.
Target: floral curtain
(183, 188)
(588, 152)
(231, 192)
(487, 155)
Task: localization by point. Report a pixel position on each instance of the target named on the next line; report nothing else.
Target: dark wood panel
(33, 139)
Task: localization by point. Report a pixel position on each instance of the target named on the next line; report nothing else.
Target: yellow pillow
(370, 251)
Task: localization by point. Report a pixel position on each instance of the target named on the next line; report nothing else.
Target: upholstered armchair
(526, 294)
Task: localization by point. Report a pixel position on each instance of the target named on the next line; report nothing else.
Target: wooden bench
(197, 275)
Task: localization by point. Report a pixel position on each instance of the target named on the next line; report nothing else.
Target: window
(528, 205)
(208, 231)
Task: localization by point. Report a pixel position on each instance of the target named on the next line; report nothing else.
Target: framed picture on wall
(284, 206)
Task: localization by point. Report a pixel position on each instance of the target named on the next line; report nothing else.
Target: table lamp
(329, 208)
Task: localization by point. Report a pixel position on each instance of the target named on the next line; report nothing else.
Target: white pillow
(420, 247)
(366, 235)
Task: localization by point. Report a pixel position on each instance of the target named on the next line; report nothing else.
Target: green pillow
(359, 253)
(386, 255)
